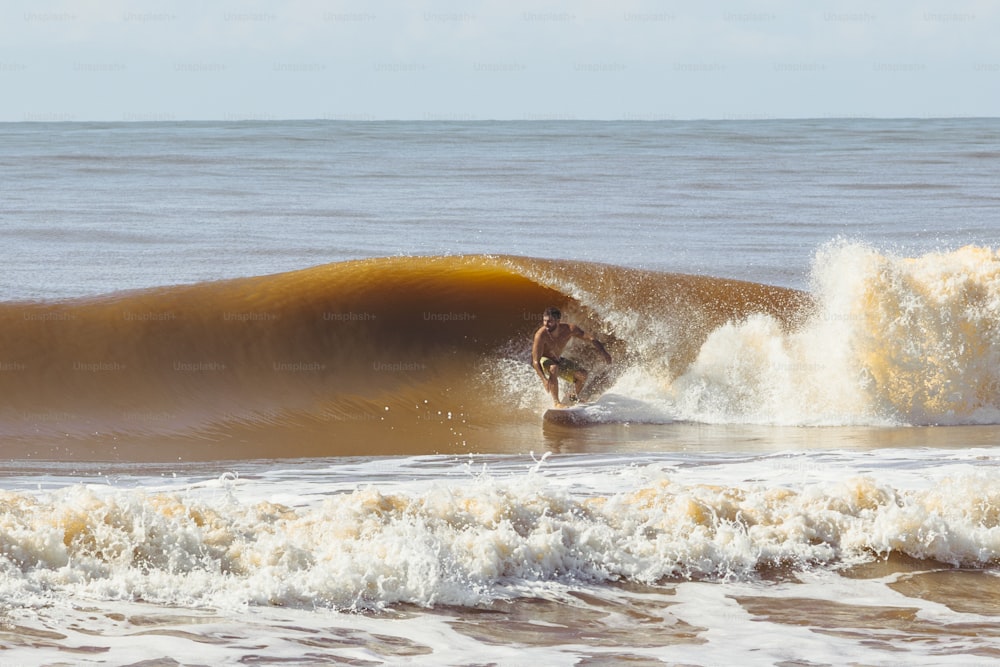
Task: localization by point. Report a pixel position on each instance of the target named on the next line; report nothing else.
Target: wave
(430, 354)
(473, 543)
(405, 354)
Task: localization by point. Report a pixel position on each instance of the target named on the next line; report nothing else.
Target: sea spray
(889, 340)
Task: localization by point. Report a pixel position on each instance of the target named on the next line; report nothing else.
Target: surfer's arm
(600, 348)
(580, 333)
(536, 356)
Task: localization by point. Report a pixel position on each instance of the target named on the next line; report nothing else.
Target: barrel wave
(393, 355)
(415, 355)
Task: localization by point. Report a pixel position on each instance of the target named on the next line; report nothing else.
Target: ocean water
(265, 393)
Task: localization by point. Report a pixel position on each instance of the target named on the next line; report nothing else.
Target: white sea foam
(472, 542)
(891, 340)
(286, 547)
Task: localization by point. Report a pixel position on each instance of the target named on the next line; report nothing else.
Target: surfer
(550, 340)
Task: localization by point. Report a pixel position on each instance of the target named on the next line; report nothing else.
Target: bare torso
(552, 343)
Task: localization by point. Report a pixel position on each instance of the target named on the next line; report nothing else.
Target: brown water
(386, 356)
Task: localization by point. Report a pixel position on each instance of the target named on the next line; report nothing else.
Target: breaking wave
(430, 354)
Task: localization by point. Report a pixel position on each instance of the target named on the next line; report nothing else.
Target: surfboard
(575, 415)
(608, 409)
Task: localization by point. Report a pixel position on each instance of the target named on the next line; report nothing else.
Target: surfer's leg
(579, 379)
(554, 384)
(552, 379)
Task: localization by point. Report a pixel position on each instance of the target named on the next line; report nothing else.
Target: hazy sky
(511, 59)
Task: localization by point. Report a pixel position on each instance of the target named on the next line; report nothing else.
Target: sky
(154, 60)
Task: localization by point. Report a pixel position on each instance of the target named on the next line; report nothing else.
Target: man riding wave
(550, 341)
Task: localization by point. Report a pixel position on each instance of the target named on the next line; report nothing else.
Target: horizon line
(140, 119)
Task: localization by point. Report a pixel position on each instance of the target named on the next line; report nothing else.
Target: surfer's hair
(553, 312)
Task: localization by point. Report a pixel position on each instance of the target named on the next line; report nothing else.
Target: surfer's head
(551, 317)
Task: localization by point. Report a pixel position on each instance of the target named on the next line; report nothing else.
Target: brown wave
(377, 356)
